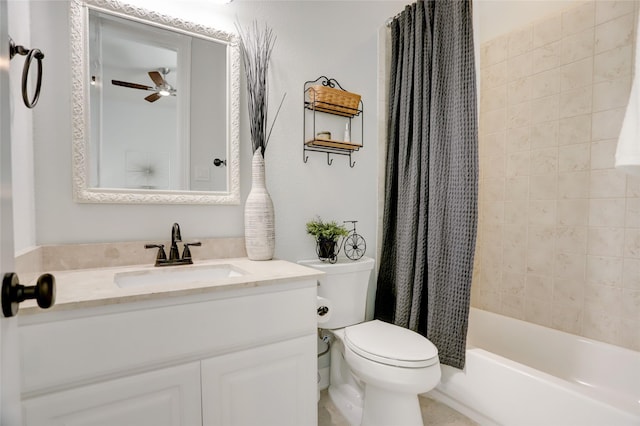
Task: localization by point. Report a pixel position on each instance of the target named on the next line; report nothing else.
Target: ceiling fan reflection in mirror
(162, 87)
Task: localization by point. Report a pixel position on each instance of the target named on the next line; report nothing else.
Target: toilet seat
(390, 344)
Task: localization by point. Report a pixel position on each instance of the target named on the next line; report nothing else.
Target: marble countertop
(84, 288)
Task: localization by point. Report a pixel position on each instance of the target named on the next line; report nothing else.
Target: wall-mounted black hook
(329, 160)
(30, 54)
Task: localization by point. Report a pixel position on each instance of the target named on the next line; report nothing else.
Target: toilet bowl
(377, 369)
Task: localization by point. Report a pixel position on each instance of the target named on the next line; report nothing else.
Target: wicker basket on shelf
(328, 99)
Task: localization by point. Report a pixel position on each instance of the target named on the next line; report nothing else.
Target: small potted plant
(326, 235)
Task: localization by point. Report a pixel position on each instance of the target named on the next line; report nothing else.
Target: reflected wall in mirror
(155, 104)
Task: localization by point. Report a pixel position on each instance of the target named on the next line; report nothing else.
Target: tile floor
(434, 414)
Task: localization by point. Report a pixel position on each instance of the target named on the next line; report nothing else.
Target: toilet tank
(345, 285)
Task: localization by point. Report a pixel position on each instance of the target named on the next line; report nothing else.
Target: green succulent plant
(326, 230)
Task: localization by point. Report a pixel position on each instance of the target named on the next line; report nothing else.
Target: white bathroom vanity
(237, 350)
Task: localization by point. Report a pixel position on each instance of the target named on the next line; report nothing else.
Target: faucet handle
(161, 254)
(186, 253)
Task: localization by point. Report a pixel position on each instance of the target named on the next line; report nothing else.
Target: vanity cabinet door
(167, 397)
(271, 385)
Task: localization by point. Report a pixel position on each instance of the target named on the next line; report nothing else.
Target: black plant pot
(327, 250)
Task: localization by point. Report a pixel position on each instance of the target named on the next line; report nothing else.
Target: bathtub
(518, 373)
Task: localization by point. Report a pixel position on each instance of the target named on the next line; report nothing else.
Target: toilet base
(383, 408)
(348, 401)
(379, 407)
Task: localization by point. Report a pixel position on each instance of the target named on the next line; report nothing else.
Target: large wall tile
(607, 124)
(573, 185)
(572, 239)
(606, 242)
(576, 74)
(547, 57)
(544, 187)
(494, 52)
(574, 158)
(578, 18)
(519, 66)
(520, 41)
(547, 31)
(545, 84)
(577, 46)
(613, 64)
(574, 130)
(632, 214)
(518, 139)
(615, 33)
(632, 243)
(573, 212)
(576, 102)
(631, 273)
(545, 134)
(603, 154)
(611, 94)
(606, 271)
(545, 109)
(611, 9)
(607, 212)
(517, 188)
(609, 183)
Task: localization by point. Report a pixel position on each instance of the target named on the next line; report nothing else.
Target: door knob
(13, 292)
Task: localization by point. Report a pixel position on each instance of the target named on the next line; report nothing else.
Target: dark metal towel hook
(30, 54)
(329, 159)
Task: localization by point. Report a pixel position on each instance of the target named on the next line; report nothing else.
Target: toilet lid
(390, 344)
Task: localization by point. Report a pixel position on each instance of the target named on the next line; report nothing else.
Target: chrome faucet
(174, 253)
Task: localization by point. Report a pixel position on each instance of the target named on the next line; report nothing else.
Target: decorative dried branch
(256, 45)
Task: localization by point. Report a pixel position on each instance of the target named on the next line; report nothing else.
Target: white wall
(21, 132)
(336, 39)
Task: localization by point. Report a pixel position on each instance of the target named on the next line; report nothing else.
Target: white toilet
(377, 369)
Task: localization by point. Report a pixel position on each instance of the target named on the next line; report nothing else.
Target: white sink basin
(167, 275)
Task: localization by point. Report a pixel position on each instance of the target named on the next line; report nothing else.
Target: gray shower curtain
(430, 213)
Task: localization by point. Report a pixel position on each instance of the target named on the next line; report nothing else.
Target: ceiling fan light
(164, 92)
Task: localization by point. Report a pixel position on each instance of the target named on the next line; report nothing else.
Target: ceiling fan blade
(152, 97)
(131, 85)
(157, 78)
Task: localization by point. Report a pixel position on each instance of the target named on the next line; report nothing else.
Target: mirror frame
(79, 46)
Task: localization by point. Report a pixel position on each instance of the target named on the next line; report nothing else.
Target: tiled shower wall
(559, 227)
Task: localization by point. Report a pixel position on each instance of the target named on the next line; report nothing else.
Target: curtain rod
(389, 21)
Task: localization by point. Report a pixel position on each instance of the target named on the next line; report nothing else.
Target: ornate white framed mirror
(155, 107)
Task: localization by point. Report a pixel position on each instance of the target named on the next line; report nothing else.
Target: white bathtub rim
(567, 341)
(622, 407)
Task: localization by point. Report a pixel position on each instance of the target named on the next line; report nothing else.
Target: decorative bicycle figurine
(354, 244)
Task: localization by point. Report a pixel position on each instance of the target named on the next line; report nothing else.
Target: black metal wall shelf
(338, 102)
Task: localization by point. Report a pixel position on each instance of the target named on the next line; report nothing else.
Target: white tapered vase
(259, 217)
